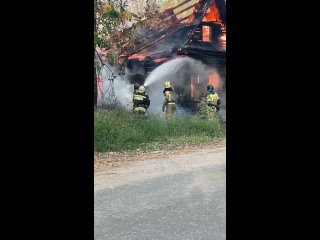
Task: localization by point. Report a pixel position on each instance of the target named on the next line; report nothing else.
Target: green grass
(119, 130)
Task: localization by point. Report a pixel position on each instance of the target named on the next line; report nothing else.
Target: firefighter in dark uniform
(169, 105)
(135, 88)
(141, 101)
(213, 103)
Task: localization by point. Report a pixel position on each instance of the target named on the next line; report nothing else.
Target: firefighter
(135, 88)
(141, 101)
(169, 105)
(213, 103)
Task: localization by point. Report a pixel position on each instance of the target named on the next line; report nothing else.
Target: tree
(110, 17)
(116, 28)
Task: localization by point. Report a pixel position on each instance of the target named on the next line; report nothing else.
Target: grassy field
(120, 130)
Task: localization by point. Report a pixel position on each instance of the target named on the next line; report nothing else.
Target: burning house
(200, 36)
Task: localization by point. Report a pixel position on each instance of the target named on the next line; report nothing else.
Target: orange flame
(212, 14)
(206, 34)
(142, 56)
(214, 80)
(192, 89)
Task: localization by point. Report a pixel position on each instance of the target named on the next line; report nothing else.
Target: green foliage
(203, 111)
(202, 108)
(116, 130)
(116, 27)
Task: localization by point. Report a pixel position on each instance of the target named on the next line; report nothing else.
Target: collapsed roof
(177, 32)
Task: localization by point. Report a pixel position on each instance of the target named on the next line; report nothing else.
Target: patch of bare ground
(104, 161)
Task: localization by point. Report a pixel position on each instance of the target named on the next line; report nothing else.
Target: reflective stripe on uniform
(138, 97)
(139, 109)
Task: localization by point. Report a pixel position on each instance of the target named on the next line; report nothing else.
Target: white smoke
(122, 89)
(178, 72)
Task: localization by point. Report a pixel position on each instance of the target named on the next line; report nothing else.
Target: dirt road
(179, 196)
(105, 161)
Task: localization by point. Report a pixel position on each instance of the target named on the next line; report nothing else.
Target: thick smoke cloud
(177, 71)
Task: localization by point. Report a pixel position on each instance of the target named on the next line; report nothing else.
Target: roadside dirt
(105, 161)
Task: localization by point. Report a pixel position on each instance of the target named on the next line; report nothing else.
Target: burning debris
(189, 51)
(189, 79)
(200, 36)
